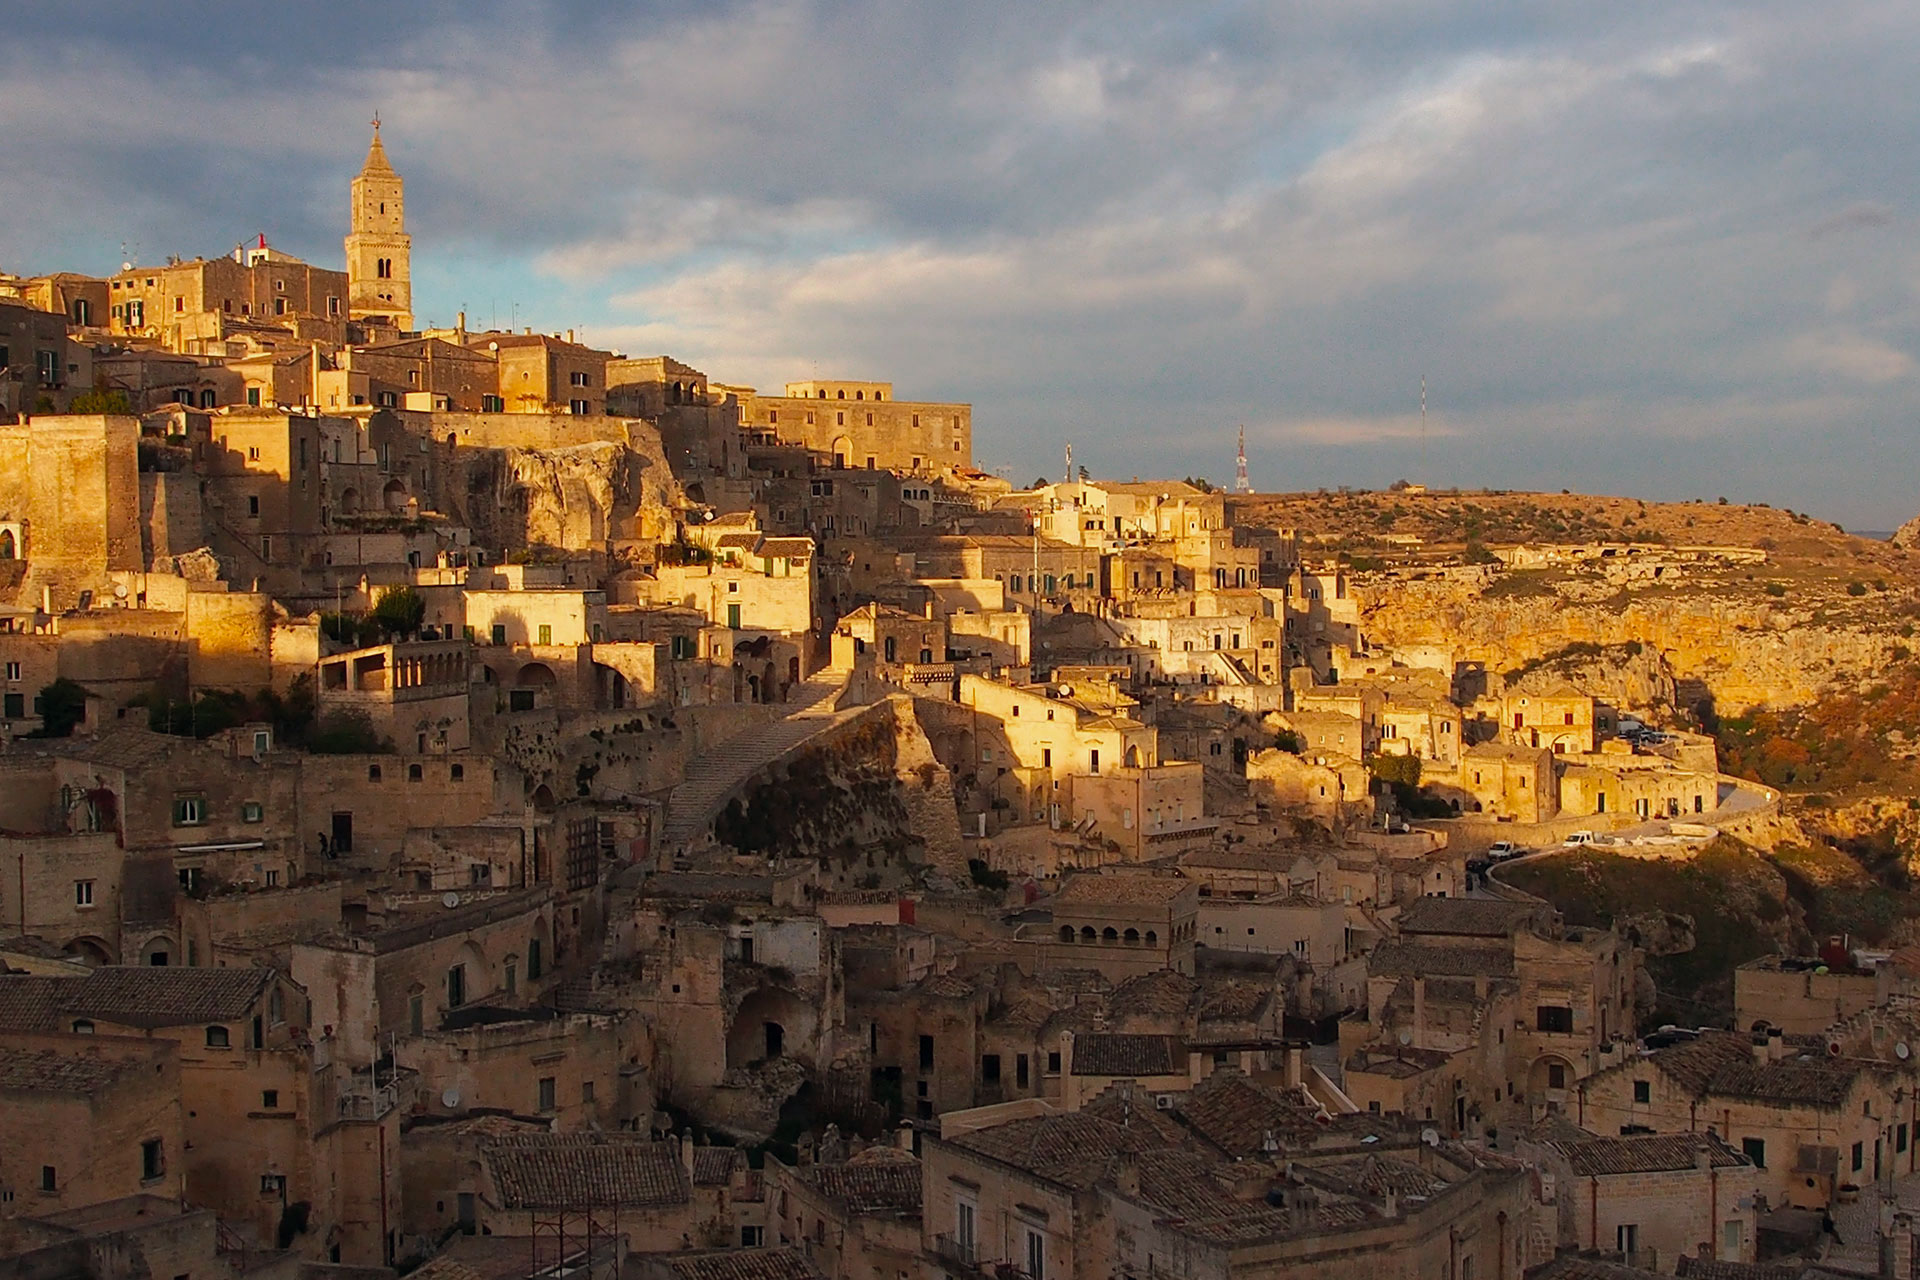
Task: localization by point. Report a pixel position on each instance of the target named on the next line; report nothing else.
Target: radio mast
(1240, 482)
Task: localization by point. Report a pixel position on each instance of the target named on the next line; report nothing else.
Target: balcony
(962, 1257)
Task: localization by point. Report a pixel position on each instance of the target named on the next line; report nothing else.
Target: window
(252, 811)
(1556, 1076)
(273, 879)
(48, 1182)
(493, 404)
(1036, 1254)
(13, 671)
(1642, 1091)
(750, 1237)
(535, 961)
(83, 893)
(1020, 1070)
(189, 811)
(457, 773)
(990, 1068)
(273, 1184)
(456, 986)
(1733, 1237)
(1626, 1237)
(217, 1038)
(1755, 1149)
(546, 1093)
(152, 1165)
(499, 633)
(82, 1027)
(1553, 1018)
(546, 633)
(1053, 1063)
(253, 397)
(579, 408)
(963, 1227)
(1859, 1156)
(415, 773)
(373, 773)
(579, 379)
(416, 1013)
(926, 1053)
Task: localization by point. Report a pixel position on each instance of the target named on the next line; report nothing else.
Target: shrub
(63, 705)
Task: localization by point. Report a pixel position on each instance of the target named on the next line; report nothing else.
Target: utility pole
(1423, 428)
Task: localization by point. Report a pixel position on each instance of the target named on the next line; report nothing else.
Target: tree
(63, 705)
(1404, 770)
(100, 401)
(346, 733)
(399, 612)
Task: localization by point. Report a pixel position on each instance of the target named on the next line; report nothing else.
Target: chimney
(903, 1136)
(1126, 1175)
(686, 1154)
(1776, 1043)
(1703, 1157)
(1296, 1066)
(569, 335)
(1762, 1047)
(1900, 1244)
(460, 326)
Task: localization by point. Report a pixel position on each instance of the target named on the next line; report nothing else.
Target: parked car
(1580, 838)
(1501, 850)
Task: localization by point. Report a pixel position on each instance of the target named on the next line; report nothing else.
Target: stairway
(713, 775)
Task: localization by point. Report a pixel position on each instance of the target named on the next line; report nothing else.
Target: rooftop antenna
(1069, 479)
(1423, 428)
(1240, 482)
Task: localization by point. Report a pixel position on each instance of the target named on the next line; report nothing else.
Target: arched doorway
(532, 687)
(9, 549)
(92, 952)
(394, 497)
(350, 501)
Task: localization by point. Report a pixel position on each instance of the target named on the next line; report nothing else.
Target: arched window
(82, 1027)
(1087, 934)
(1110, 934)
(533, 959)
(1133, 937)
(1153, 938)
(217, 1038)
(1066, 933)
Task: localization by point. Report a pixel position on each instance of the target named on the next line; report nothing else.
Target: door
(468, 1220)
(342, 833)
(733, 617)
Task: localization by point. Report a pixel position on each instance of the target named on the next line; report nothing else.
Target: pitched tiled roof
(1378, 1175)
(1571, 1266)
(1130, 889)
(1791, 1081)
(1425, 961)
(878, 1180)
(1161, 992)
(1645, 1153)
(1121, 1104)
(1070, 1150)
(743, 1264)
(445, 1268)
(168, 996)
(1470, 917)
(59, 1071)
(1693, 1062)
(1234, 1001)
(32, 1003)
(714, 1166)
(1236, 1115)
(1696, 1268)
(1111, 1054)
(579, 1171)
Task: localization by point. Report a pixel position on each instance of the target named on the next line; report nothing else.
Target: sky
(1664, 249)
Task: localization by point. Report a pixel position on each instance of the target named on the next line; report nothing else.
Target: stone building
(861, 425)
(379, 250)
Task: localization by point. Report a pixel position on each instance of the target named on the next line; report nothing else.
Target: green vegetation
(399, 612)
(1838, 744)
(100, 402)
(1520, 584)
(290, 715)
(986, 877)
(346, 733)
(62, 705)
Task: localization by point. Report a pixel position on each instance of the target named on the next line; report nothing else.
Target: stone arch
(770, 1019)
(542, 799)
(90, 951)
(1541, 1089)
(158, 952)
(1109, 934)
(842, 452)
(1066, 933)
(9, 546)
(1087, 934)
(350, 501)
(535, 675)
(394, 497)
(1132, 936)
(1132, 758)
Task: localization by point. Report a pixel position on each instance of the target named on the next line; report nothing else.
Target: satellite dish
(450, 1099)
(119, 591)
(1406, 1037)
(450, 899)
(1833, 1048)
(1430, 1136)
(1902, 1050)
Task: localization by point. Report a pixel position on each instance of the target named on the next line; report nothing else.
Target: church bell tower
(379, 251)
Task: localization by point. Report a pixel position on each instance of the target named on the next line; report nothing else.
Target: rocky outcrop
(587, 495)
(1744, 652)
(1907, 536)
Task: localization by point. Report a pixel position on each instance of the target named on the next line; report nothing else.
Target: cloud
(1629, 246)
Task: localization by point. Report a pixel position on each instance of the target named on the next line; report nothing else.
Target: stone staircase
(713, 775)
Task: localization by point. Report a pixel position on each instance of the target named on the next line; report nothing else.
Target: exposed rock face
(1631, 677)
(578, 495)
(1908, 535)
(1747, 654)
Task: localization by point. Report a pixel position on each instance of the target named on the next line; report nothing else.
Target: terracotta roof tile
(1070, 1150)
(58, 1071)
(168, 996)
(1236, 1115)
(581, 1171)
(784, 1263)
(1417, 959)
(1133, 890)
(1113, 1054)
(1469, 917)
(888, 1183)
(1645, 1153)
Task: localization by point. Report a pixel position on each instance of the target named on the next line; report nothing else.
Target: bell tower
(379, 251)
